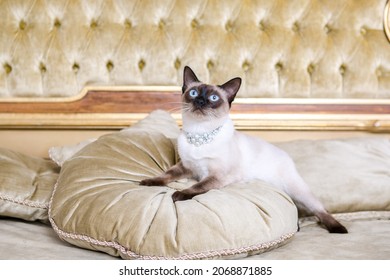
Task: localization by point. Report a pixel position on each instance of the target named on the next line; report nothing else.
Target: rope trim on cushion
(349, 216)
(193, 256)
(26, 202)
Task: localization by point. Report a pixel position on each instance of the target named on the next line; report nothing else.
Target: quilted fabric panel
(300, 48)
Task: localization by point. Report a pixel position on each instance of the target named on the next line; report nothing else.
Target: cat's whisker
(173, 104)
(186, 107)
(175, 110)
(182, 109)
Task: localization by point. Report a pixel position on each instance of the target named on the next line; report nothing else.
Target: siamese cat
(215, 154)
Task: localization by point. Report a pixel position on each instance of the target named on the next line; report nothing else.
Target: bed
(83, 71)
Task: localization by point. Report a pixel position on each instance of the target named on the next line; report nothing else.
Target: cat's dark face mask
(203, 96)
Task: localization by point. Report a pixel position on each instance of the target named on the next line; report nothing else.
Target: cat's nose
(199, 102)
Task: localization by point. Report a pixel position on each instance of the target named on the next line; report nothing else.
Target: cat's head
(203, 100)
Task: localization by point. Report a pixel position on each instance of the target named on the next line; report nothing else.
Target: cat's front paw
(152, 182)
(180, 196)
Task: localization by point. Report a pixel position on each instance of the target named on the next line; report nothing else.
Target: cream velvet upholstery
(300, 48)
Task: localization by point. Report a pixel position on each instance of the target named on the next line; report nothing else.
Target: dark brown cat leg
(201, 187)
(305, 200)
(176, 172)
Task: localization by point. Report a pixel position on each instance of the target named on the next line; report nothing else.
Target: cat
(215, 154)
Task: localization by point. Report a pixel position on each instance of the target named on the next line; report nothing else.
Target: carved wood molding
(120, 107)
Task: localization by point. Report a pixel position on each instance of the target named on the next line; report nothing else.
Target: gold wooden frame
(304, 122)
(316, 119)
(85, 91)
(239, 100)
(386, 20)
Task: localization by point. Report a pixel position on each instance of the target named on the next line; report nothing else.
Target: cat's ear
(231, 88)
(188, 78)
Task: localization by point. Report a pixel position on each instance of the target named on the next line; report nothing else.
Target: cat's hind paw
(180, 196)
(338, 229)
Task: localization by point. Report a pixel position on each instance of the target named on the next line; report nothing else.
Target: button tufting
(261, 26)
(279, 66)
(128, 24)
(327, 29)
(210, 64)
(295, 27)
(246, 65)
(342, 69)
(325, 54)
(161, 24)
(194, 23)
(229, 26)
(42, 67)
(93, 24)
(57, 23)
(75, 67)
(141, 64)
(22, 25)
(7, 68)
(311, 68)
(177, 64)
(109, 65)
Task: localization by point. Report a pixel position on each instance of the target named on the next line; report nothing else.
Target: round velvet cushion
(98, 204)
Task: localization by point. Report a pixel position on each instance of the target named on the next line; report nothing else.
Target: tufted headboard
(300, 60)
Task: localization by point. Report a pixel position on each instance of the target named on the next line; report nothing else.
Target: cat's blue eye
(214, 98)
(193, 93)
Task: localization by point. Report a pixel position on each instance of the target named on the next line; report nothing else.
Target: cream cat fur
(215, 154)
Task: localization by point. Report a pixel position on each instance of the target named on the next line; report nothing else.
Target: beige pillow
(98, 181)
(347, 175)
(98, 203)
(26, 184)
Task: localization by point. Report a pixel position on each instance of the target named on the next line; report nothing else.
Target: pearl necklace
(199, 139)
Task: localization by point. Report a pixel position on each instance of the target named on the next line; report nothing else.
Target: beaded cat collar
(199, 139)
